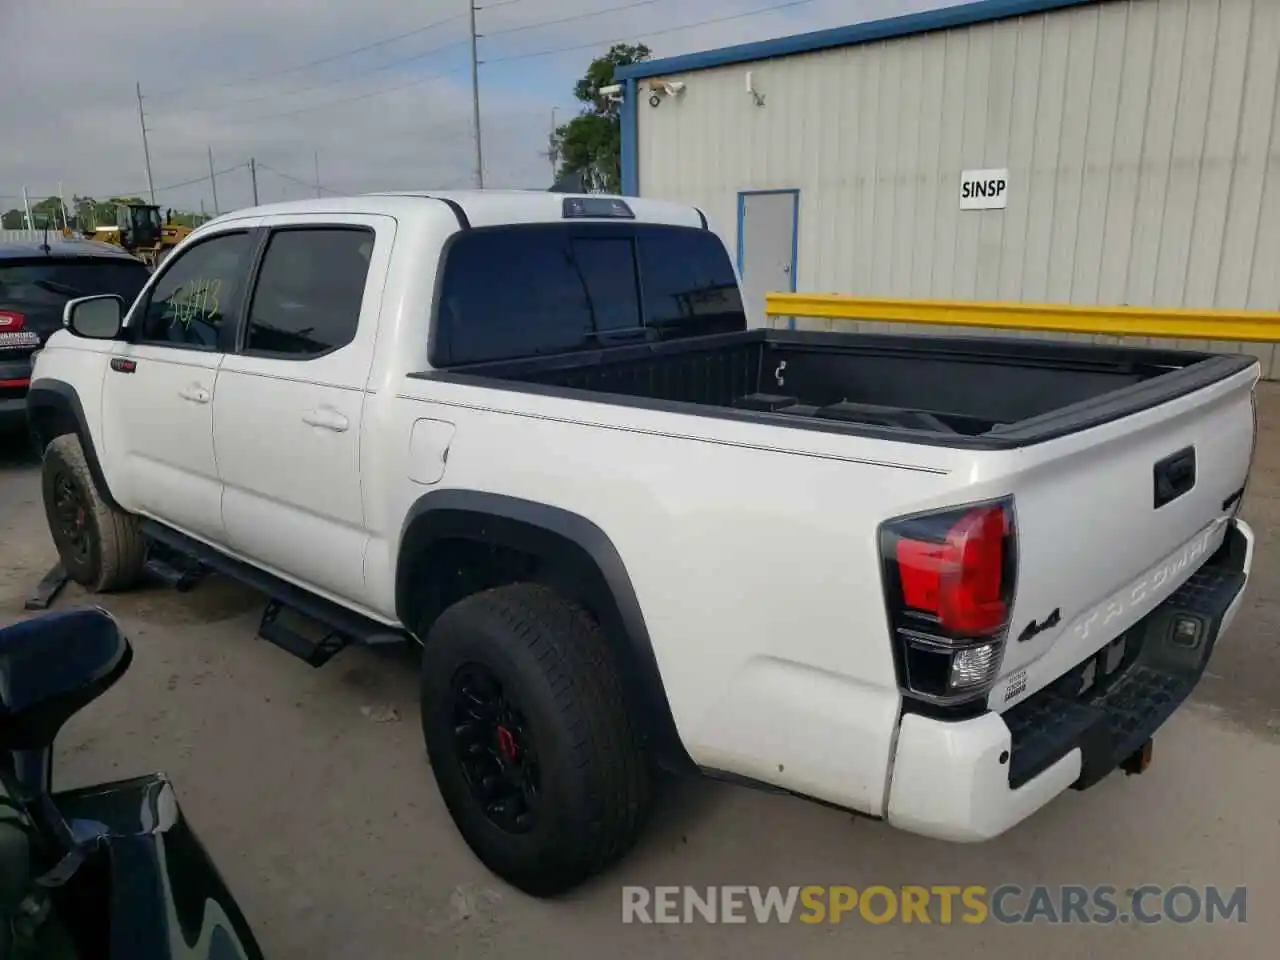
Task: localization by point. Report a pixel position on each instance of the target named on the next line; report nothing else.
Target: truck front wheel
(101, 548)
(529, 739)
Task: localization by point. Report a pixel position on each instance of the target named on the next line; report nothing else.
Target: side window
(309, 291)
(198, 294)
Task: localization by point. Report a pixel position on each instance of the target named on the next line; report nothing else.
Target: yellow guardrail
(1183, 324)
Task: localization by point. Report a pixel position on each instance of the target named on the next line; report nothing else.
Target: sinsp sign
(984, 189)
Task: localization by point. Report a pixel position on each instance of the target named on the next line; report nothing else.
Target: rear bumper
(972, 780)
(15, 379)
(13, 410)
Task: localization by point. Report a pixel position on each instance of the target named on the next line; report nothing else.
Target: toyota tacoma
(935, 580)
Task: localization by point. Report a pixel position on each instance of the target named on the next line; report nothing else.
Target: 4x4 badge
(1033, 629)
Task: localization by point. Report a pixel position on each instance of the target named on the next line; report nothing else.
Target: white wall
(23, 236)
(1139, 135)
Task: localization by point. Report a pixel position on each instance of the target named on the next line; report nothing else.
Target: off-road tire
(595, 788)
(116, 549)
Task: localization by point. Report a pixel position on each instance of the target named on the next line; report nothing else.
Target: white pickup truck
(934, 580)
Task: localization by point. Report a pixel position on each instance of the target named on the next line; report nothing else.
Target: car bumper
(972, 780)
(15, 378)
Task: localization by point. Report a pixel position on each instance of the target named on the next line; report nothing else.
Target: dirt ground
(312, 790)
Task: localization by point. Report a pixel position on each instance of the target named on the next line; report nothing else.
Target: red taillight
(11, 322)
(959, 580)
(949, 579)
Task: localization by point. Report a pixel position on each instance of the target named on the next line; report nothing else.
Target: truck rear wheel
(529, 739)
(101, 548)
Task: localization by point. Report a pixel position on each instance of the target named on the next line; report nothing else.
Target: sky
(240, 78)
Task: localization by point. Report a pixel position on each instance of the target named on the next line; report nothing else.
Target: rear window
(538, 289)
(39, 288)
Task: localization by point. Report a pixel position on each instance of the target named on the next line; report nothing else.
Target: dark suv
(36, 281)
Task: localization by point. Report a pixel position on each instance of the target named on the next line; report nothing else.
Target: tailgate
(1113, 519)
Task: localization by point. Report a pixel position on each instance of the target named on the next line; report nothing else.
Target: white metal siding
(1139, 137)
(23, 236)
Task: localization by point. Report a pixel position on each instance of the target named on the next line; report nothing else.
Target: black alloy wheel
(495, 750)
(530, 742)
(100, 545)
(72, 510)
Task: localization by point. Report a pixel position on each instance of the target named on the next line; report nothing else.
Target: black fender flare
(54, 408)
(571, 544)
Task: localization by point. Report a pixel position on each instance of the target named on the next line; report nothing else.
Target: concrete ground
(312, 791)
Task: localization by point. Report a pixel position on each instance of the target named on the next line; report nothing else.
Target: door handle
(195, 394)
(1174, 476)
(326, 419)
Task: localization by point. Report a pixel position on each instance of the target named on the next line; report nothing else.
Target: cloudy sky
(286, 80)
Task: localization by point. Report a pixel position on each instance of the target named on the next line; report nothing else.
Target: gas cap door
(429, 450)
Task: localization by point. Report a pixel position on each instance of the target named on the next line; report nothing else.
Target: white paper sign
(984, 189)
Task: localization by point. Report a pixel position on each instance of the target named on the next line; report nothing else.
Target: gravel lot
(312, 790)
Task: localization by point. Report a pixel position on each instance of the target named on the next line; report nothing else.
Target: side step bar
(276, 629)
(179, 570)
(287, 602)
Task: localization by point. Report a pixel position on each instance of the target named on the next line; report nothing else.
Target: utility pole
(475, 98)
(26, 205)
(253, 178)
(213, 182)
(146, 150)
(552, 152)
(317, 159)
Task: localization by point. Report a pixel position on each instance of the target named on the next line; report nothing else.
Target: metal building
(1086, 151)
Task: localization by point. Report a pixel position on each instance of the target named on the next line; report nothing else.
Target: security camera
(660, 88)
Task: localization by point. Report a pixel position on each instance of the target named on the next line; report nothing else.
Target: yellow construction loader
(140, 230)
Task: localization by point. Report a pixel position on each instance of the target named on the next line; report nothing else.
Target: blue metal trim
(795, 232)
(741, 210)
(630, 172)
(963, 15)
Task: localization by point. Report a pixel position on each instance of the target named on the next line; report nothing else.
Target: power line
(346, 100)
(176, 186)
(572, 19)
(647, 33)
(327, 83)
(342, 54)
(498, 3)
(300, 182)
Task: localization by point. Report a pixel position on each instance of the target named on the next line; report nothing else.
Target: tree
(47, 212)
(13, 220)
(591, 143)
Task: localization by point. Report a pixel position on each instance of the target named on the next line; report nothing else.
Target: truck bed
(955, 391)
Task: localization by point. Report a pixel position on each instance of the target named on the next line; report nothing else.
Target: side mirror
(51, 667)
(94, 318)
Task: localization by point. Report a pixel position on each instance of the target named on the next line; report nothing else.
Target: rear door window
(539, 289)
(310, 288)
